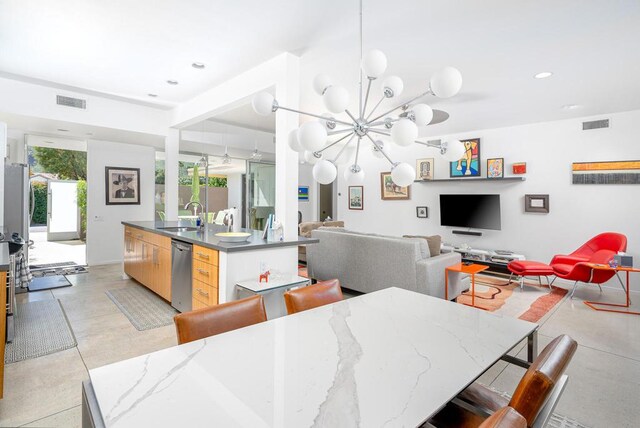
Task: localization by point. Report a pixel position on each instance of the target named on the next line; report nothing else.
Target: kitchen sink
(179, 229)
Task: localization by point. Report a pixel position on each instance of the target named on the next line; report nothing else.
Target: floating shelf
(466, 180)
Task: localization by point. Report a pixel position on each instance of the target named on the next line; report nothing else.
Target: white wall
(308, 209)
(234, 194)
(105, 236)
(3, 148)
(577, 212)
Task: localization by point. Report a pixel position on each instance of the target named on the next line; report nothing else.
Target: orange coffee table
(472, 270)
(628, 270)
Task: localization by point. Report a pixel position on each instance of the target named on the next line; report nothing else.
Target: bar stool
(312, 296)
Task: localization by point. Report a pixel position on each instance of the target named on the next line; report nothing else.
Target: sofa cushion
(305, 229)
(434, 242)
(333, 223)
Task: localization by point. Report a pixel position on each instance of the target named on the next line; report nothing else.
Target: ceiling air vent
(595, 124)
(71, 102)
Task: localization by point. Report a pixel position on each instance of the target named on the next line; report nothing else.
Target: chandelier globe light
(313, 138)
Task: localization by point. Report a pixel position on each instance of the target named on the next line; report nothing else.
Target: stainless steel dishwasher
(181, 275)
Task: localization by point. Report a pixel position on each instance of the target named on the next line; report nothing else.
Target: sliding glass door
(261, 193)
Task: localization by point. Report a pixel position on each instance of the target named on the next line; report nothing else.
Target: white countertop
(274, 282)
(389, 358)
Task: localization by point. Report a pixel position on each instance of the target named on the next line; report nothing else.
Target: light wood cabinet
(147, 259)
(3, 325)
(205, 277)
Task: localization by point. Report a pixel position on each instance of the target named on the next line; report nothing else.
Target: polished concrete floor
(604, 376)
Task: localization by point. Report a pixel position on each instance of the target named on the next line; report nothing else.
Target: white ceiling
(130, 49)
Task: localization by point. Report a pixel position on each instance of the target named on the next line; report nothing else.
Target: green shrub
(40, 208)
(82, 205)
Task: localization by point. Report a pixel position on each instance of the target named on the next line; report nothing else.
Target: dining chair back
(312, 296)
(218, 319)
(506, 417)
(542, 376)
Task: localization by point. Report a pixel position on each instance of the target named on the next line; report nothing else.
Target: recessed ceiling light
(543, 75)
(570, 106)
(89, 133)
(63, 130)
(198, 65)
(152, 95)
(172, 82)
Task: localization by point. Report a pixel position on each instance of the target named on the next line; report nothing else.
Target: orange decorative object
(593, 305)
(520, 168)
(265, 276)
(471, 270)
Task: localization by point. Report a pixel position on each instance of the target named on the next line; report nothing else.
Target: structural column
(171, 152)
(287, 94)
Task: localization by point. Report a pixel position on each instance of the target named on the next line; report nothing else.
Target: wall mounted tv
(472, 211)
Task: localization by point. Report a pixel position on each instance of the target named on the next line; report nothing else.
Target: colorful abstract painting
(303, 193)
(469, 164)
(616, 172)
(495, 168)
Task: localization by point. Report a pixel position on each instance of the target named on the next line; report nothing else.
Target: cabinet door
(146, 265)
(162, 273)
(129, 254)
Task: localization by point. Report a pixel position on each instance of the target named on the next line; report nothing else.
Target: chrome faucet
(195, 209)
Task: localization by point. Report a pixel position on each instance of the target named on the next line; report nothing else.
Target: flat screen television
(472, 211)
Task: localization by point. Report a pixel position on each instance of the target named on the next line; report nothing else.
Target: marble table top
(390, 358)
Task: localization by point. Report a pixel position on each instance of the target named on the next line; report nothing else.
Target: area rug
(52, 269)
(41, 329)
(144, 309)
(48, 282)
(501, 296)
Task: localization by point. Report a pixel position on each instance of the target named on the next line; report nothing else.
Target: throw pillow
(434, 242)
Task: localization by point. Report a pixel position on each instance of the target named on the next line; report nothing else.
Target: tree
(67, 164)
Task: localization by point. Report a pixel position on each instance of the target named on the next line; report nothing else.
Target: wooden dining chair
(530, 395)
(506, 417)
(218, 319)
(312, 296)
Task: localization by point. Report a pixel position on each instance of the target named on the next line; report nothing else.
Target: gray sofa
(368, 262)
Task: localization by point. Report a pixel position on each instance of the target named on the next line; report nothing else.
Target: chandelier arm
(375, 107)
(401, 105)
(343, 148)
(381, 150)
(340, 131)
(351, 116)
(382, 122)
(314, 115)
(366, 99)
(334, 143)
(379, 131)
(435, 143)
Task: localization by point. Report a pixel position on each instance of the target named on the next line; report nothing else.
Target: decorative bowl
(233, 236)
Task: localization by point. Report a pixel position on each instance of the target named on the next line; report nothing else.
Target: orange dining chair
(218, 319)
(312, 296)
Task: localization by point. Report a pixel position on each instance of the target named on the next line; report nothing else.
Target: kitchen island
(216, 267)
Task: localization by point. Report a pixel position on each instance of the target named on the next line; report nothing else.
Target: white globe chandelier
(312, 138)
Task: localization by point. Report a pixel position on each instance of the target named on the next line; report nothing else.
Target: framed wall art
(303, 193)
(422, 212)
(469, 164)
(616, 172)
(536, 204)
(356, 197)
(495, 168)
(122, 185)
(424, 169)
(389, 191)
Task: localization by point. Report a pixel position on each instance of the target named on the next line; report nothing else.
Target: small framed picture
(422, 212)
(469, 164)
(520, 168)
(303, 193)
(495, 168)
(424, 169)
(536, 204)
(389, 191)
(122, 186)
(356, 197)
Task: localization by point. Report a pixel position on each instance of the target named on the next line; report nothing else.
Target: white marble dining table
(391, 358)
